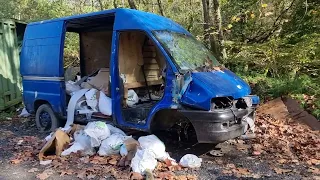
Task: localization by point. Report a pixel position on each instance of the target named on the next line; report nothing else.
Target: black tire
(46, 120)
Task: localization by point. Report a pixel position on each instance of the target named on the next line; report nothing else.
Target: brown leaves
(281, 171)
(16, 161)
(45, 174)
(32, 170)
(285, 139)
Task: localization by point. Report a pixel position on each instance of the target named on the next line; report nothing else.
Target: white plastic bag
(91, 98)
(105, 104)
(24, 113)
(190, 161)
(123, 150)
(155, 145)
(132, 98)
(98, 131)
(71, 87)
(114, 130)
(112, 144)
(82, 142)
(144, 159)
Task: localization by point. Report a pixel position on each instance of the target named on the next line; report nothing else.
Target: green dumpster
(11, 37)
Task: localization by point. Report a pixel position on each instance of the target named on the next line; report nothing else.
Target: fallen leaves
(15, 161)
(281, 171)
(45, 174)
(286, 140)
(32, 170)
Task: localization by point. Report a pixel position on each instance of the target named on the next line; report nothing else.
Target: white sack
(132, 98)
(123, 150)
(98, 131)
(114, 130)
(144, 159)
(155, 145)
(190, 161)
(91, 98)
(112, 144)
(105, 104)
(24, 113)
(82, 142)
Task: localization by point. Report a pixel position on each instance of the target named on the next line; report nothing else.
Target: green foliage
(276, 43)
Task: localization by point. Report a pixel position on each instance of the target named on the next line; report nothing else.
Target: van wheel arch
(167, 119)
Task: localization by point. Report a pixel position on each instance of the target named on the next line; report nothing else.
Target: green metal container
(11, 37)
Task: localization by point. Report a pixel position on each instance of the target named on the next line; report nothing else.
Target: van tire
(46, 120)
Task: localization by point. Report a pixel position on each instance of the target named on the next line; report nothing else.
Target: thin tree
(115, 4)
(132, 4)
(160, 7)
(207, 29)
(218, 23)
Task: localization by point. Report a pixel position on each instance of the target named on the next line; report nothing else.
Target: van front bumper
(219, 125)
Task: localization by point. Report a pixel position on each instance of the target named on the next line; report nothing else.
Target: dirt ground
(20, 143)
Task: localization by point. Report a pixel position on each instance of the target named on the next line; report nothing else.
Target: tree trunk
(132, 4)
(160, 7)
(115, 4)
(206, 19)
(101, 5)
(209, 39)
(218, 23)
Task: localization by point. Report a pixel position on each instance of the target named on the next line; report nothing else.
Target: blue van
(179, 82)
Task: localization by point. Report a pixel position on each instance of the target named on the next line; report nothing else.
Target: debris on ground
(190, 161)
(24, 113)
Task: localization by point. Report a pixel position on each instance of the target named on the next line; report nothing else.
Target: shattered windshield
(187, 52)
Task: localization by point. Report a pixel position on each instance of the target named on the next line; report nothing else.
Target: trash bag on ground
(114, 130)
(91, 99)
(82, 142)
(98, 131)
(155, 145)
(132, 98)
(143, 160)
(24, 113)
(190, 161)
(112, 144)
(105, 104)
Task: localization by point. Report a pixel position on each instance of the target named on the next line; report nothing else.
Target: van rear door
(42, 65)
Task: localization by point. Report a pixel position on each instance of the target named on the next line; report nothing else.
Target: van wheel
(46, 120)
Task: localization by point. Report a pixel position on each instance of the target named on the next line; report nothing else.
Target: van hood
(207, 85)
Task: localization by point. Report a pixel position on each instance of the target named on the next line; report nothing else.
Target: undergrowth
(303, 88)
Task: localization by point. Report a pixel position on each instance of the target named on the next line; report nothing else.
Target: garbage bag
(123, 150)
(155, 145)
(190, 161)
(114, 130)
(24, 113)
(91, 99)
(98, 131)
(105, 104)
(132, 98)
(112, 144)
(143, 160)
(71, 87)
(82, 142)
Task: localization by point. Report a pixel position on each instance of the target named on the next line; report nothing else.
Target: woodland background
(272, 44)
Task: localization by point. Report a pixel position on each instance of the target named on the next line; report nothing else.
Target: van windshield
(188, 53)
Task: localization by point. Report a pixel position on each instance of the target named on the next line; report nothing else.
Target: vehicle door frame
(165, 103)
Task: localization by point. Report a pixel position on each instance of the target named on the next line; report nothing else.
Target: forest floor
(282, 149)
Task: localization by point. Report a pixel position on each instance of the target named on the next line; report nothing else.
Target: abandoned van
(155, 74)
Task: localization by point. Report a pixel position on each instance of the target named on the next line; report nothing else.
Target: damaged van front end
(218, 105)
(215, 100)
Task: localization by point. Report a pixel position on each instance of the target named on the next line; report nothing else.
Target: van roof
(126, 19)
